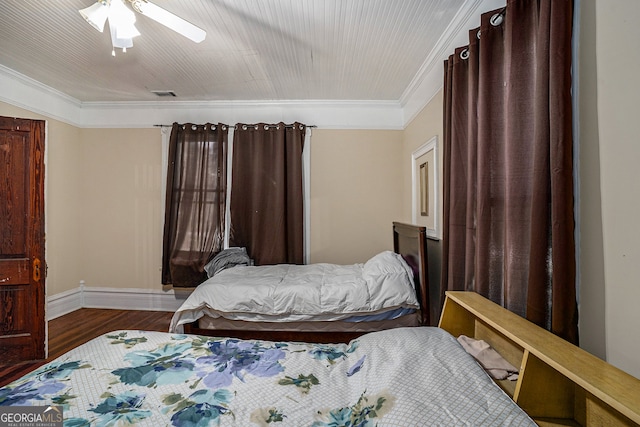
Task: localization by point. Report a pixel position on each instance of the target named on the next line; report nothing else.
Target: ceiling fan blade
(169, 20)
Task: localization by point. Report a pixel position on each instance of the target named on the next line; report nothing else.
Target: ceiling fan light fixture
(96, 15)
(121, 26)
(126, 30)
(119, 42)
(122, 19)
(121, 15)
(170, 20)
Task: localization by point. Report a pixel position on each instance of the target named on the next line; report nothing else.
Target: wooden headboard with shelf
(559, 384)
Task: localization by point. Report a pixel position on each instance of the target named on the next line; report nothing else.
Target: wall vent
(164, 92)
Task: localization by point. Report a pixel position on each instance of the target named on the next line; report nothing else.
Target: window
(199, 208)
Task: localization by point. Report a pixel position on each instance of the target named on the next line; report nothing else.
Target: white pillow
(387, 262)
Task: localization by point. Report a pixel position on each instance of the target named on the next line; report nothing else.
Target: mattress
(408, 376)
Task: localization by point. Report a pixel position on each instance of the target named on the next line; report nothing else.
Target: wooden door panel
(14, 305)
(14, 192)
(17, 342)
(14, 271)
(22, 322)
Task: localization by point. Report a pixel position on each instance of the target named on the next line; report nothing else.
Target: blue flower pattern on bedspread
(199, 409)
(122, 409)
(161, 379)
(332, 353)
(186, 359)
(47, 380)
(235, 359)
(362, 414)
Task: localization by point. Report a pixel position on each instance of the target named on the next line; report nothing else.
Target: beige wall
(355, 177)
(618, 64)
(592, 290)
(63, 206)
(104, 201)
(427, 124)
(121, 207)
(356, 193)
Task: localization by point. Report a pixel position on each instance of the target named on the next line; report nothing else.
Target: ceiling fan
(122, 20)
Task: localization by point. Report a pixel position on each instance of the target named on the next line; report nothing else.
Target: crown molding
(321, 113)
(24, 92)
(429, 79)
(29, 94)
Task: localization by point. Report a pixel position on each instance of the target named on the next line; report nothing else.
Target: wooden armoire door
(22, 263)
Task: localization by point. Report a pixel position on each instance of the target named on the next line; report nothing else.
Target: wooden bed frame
(559, 384)
(408, 241)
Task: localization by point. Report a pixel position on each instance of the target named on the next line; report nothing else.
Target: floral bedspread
(401, 377)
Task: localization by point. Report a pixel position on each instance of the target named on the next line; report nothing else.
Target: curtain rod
(287, 126)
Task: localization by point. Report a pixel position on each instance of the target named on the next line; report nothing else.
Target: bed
(322, 303)
(406, 376)
(401, 377)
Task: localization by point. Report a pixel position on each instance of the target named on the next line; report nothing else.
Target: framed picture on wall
(425, 197)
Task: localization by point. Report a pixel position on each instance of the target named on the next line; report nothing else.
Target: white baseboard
(63, 303)
(113, 298)
(130, 299)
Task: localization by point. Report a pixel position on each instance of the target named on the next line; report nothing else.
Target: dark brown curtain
(508, 177)
(195, 204)
(266, 199)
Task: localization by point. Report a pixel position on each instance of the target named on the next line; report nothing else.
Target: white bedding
(285, 293)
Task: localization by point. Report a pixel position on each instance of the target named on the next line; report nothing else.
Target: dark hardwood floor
(71, 330)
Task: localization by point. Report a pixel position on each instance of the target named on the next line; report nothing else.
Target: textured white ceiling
(255, 49)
